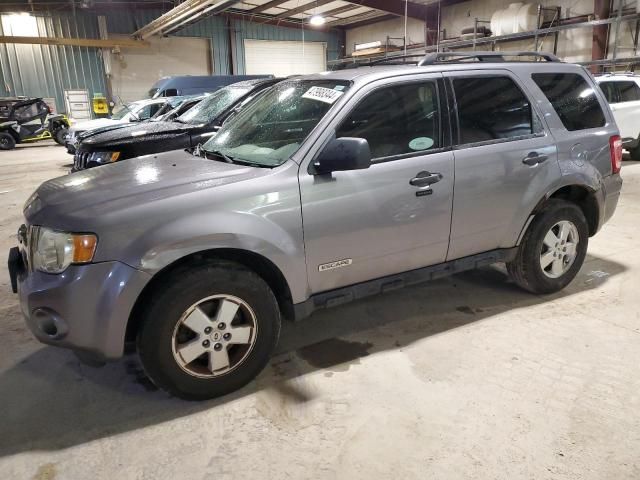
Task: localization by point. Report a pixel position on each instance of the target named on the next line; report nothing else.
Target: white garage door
(282, 58)
(135, 70)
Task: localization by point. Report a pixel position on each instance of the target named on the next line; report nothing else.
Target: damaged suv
(325, 189)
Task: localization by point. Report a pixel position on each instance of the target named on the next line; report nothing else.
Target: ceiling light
(317, 20)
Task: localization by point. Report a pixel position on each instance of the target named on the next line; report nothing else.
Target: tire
(526, 269)
(181, 299)
(7, 142)
(59, 135)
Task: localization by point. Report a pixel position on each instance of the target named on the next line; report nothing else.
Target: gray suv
(325, 189)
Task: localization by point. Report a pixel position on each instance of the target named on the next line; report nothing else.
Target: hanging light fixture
(317, 20)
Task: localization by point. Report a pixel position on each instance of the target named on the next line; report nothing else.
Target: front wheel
(7, 142)
(59, 135)
(208, 330)
(553, 249)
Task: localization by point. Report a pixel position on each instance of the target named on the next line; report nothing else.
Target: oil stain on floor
(334, 354)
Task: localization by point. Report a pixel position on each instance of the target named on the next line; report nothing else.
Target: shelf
(500, 39)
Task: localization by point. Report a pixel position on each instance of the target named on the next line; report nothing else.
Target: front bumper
(85, 308)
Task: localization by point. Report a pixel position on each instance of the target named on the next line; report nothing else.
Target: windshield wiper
(218, 153)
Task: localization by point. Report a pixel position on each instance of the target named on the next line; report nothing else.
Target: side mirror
(342, 154)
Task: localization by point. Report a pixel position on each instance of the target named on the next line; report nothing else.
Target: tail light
(615, 147)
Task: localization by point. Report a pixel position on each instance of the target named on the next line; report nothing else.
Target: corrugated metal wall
(45, 70)
(48, 70)
(217, 29)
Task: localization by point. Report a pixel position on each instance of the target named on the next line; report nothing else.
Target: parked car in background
(323, 190)
(175, 109)
(123, 114)
(195, 84)
(622, 91)
(27, 120)
(193, 127)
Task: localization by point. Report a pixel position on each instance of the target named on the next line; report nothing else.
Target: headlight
(104, 157)
(54, 251)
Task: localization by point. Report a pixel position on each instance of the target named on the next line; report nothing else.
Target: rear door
(365, 224)
(505, 160)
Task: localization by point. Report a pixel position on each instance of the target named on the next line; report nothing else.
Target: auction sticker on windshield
(321, 94)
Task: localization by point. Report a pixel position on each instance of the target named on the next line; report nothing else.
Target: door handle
(424, 179)
(534, 158)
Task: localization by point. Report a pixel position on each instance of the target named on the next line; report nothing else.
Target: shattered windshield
(212, 106)
(271, 128)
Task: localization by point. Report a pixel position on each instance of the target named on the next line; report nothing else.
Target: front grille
(80, 160)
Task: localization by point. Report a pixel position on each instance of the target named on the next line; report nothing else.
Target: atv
(24, 120)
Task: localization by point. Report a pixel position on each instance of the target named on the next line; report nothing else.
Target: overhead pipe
(210, 9)
(186, 7)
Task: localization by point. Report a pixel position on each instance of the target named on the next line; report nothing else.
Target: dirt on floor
(464, 378)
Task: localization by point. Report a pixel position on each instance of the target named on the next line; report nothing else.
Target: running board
(358, 291)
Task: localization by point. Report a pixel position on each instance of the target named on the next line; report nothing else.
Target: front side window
(145, 112)
(271, 127)
(491, 108)
(396, 120)
(212, 106)
(121, 111)
(628, 91)
(573, 99)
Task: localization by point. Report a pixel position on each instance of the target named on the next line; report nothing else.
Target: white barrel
(496, 22)
(510, 18)
(527, 17)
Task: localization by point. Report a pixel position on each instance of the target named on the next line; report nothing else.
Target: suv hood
(81, 199)
(91, 124)
(133, 133)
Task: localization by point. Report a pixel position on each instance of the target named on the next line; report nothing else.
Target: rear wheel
(7, 142)
(553, 249)
(59, 135)
(208, 330)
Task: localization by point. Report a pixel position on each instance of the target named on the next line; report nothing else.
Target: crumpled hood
(134, 133)
(91, 124)
(68, 201)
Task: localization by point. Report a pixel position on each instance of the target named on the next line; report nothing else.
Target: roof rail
(396, 60)
(441, 57)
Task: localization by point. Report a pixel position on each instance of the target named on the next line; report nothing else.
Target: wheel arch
(259, 264)
(582, 195)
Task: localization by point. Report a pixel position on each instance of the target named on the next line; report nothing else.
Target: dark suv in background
(190, 129)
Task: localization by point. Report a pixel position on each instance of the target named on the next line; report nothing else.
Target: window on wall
(491, 108)
(397, 120)
(573, 99)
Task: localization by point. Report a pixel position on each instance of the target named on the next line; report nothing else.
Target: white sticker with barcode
(321, 94)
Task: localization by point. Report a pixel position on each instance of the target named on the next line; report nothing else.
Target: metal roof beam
(396, 7)
(266, 6)
(304, 8)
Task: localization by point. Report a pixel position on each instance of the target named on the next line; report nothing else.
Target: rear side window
(573, 99)
(628, 91)
(397, 120)
(609, 90)
(491, 108)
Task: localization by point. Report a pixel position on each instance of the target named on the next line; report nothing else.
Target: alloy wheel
(559, 249)
(214, 336)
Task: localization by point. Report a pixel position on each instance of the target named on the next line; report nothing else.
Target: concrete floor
(467, 377)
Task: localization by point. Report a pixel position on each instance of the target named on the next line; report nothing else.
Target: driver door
(365, 224)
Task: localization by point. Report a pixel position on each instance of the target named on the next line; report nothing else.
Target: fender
(591, 183)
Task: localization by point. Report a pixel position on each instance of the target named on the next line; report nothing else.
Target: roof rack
(396, 60)
(441, 57)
